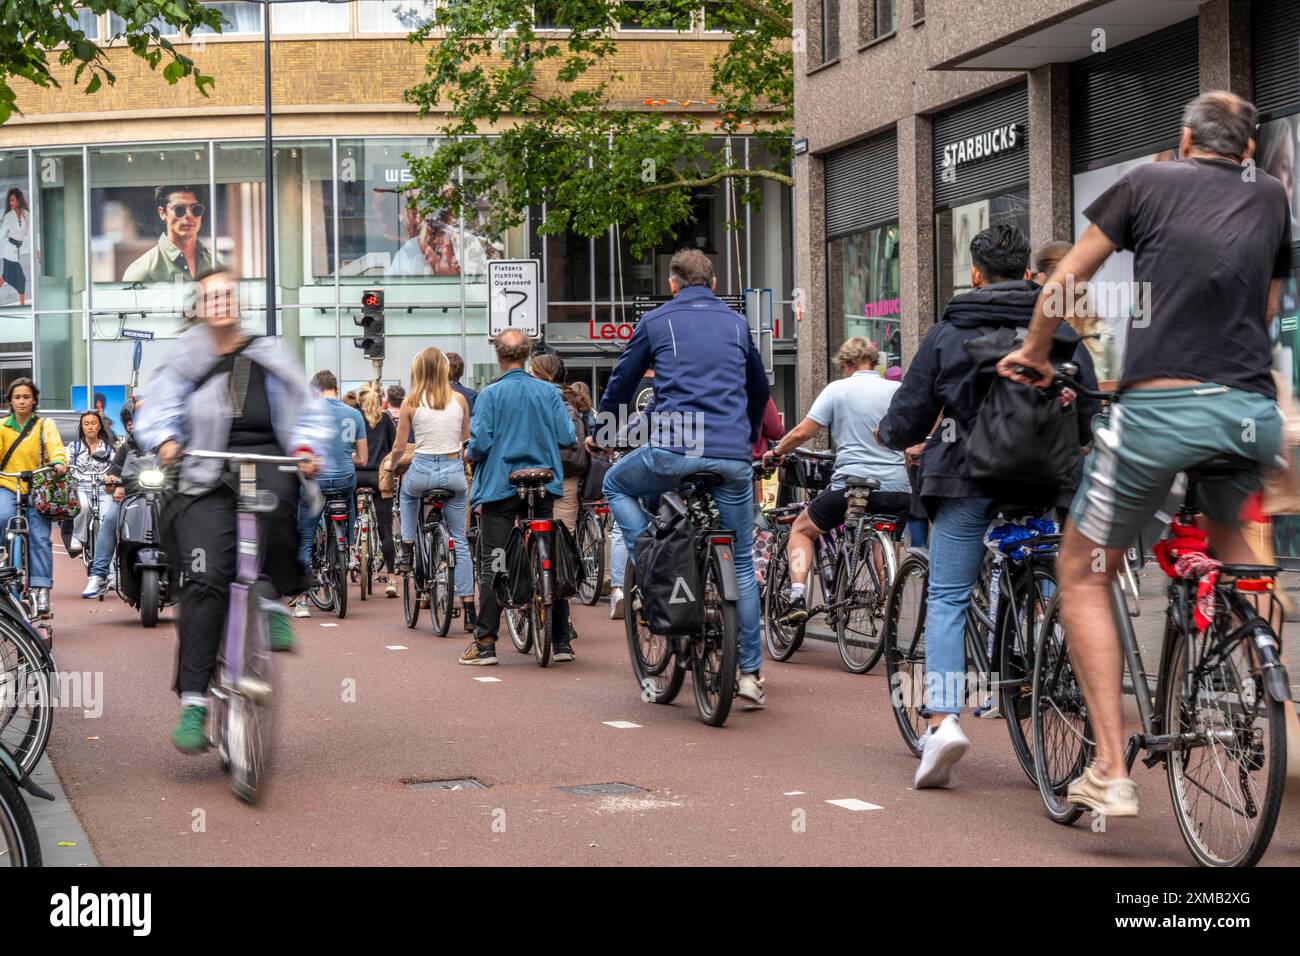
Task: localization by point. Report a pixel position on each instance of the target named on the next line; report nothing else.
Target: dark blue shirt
(518, 422)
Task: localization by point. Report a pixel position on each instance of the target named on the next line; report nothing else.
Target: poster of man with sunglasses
(179, 251)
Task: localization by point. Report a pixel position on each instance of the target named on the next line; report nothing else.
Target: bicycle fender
(724, 556)
(1276, 683)
(919, 552)
(548, 574)
(150, 559)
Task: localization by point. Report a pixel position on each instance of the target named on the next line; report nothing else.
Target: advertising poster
(15, 235)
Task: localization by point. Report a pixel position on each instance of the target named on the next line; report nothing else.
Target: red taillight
(540, 524)
(1254, 584)
(338, 517)
(720, 539)
(546, 564)
(883, 525)
(786, 519)
(601, 509)
(451, 544)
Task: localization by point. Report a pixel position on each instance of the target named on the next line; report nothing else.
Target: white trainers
(74, 546)
(1111, 798)
(750, 689)
(95, 586)
(941, 748)
(616, 604)
(300, 609)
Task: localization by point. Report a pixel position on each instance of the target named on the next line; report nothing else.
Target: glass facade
(865, 291)
(954, 228)
(106, 237)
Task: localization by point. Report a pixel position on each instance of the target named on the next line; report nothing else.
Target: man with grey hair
(710, 394)
(1211, 237)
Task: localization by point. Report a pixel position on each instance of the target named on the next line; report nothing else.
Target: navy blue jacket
(710, 386)
(944, 377)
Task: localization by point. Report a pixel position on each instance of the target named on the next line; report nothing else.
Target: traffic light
(371, 321)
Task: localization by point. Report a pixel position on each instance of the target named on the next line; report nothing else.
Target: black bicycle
(329, 556)
(532, 626)
(432, 580)
(593, 522)
(660, 662)
(1216, 718)
(1009, 601)
(28, 681)
(19, 842)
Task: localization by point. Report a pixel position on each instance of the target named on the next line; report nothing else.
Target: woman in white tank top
(440, 417)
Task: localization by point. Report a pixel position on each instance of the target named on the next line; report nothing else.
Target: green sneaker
(190, 734)
(280, 632)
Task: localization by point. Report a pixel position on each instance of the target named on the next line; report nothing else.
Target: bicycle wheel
(861, 588)
(714, 662)
(904, 649)
(1226, 787)
(88, 546)
(26, 696)
(1018, 630)
(541, 615)
(251, 723)
(591, 552)
(782, 639)
(19, 844)
(1061, 731)
(412, 583)
(519, 625)
(321, 590)
(658, 673)
(363, 557)
(442, 583)
(339, 572)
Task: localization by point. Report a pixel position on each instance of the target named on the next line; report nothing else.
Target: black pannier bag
(513, 580)
(1021, 433)
(667, 576)
(570, 572)
(798, 471)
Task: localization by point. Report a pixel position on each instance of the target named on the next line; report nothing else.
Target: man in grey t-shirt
(851, 408)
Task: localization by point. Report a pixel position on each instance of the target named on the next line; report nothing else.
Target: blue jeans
(436, 471)
(918, 532)
(956, 553)
(106, 540)
(617, 557)
(40, 555)
(648, 471)
(307, 520)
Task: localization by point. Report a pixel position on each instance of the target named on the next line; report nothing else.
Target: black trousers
(496, 518)
(368, 478)
(206, 539)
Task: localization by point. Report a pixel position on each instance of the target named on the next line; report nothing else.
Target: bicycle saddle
(703, 480)
(870, 484)
(435, 495)
(1222, 466)
(532, 476)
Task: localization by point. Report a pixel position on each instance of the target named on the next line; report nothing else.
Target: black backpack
(1021, 433)
(667, 575)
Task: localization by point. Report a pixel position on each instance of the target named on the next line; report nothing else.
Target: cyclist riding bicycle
(27, 442)
(518, 422)
(381, 430)
(1211, 237)
(436, 419)
(938, 401)
(348, 451)
(220, 389)
(851, 408)
(90, 456)
(710, 393)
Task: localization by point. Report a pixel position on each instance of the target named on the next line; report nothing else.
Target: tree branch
(718, 177)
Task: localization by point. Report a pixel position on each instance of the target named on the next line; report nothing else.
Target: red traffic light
(372, 299)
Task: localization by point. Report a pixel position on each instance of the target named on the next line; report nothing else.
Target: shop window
(393, 16)
(241, 17)
(17, 233)
(957, 226)
(864, 286)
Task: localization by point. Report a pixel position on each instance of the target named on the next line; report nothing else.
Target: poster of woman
(15, 243)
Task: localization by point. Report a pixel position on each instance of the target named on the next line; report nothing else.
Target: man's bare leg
(1085, 571)
(799, 547)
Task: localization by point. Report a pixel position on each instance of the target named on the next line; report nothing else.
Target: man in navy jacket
(710, 393)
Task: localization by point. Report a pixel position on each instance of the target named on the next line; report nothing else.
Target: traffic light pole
(269, 203)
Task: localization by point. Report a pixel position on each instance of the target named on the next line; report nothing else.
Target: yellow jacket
(28, 455)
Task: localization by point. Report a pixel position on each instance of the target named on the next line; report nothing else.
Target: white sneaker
(74, 546)
(300, 609)
(94, 586)
(942, 747)
(751, 689)
(616, 604)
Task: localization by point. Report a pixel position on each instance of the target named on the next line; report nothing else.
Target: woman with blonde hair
(380, 432)
(440, 417)
(1081, 313)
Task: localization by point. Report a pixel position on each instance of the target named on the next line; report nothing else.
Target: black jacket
(945, 378)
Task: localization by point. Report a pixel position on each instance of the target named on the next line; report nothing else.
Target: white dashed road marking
(488, 680)
(395, 647)
(620, 724)
(853, 803)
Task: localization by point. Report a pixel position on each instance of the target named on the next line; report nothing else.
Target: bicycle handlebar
(239, 456)
(1066, 373)
(27, 475)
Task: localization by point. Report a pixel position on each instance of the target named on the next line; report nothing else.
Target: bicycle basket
(797, 471)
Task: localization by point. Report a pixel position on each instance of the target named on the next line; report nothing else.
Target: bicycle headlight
(152, 478)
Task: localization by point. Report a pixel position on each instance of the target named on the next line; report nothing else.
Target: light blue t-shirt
(852, 408)
(349, 426)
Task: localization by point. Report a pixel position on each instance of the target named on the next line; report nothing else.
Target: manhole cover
(601, 789)
(465, 783)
